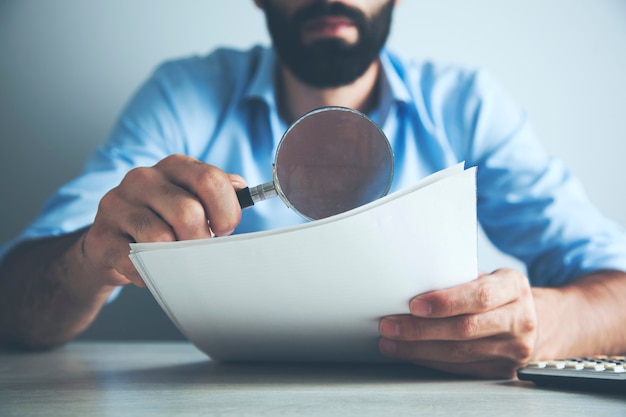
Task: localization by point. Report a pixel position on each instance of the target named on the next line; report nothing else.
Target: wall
(68, 66)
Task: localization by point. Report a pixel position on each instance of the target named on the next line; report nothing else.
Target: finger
(125, 267)
(457, 352)
(482, 294)
(115, 256)
(212, 186)
(237, 181)
(128, 215)
(149, 196)
(118, 223)
(494, 368)
(509, 319)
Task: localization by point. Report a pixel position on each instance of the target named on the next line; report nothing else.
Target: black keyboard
(599, 373)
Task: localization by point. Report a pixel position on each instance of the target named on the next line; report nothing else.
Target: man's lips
(327, 26)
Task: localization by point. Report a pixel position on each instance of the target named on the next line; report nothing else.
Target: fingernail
(238, 185)
(389, 328)
(388, 347)
(420, 308)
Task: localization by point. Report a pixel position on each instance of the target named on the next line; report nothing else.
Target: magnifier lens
(329, 161)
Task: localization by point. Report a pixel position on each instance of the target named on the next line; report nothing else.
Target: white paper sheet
(315, 292)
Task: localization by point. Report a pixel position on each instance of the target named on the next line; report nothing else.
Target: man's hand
(487, 327)
(51, 289)
(177, 199)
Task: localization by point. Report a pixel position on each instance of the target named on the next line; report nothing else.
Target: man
(157, 179)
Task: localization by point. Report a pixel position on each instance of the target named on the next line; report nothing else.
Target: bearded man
(200, 128)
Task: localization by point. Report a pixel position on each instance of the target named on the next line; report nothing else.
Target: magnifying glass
(329, 161)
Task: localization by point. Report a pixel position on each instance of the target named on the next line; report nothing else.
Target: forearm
(583, 318)
(46, 296)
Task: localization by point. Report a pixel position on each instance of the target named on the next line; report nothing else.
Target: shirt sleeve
(145, 133)
(530, 205)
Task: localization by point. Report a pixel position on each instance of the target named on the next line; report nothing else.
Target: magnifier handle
(244, 197)
(248, 196)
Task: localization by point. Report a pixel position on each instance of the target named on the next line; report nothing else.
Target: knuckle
(171, 160)
(109, 201)
(521, 351)
(518, 276)
(524, 286)
(190, 213)
(527, 322)
(520, 279)
(485, 295)
(137, 175)
(468, 327)
(213, 178)
(96, 233)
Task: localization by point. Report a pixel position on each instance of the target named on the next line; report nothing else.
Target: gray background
(68, 66)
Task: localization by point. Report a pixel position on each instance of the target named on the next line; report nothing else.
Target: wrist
(551, 329)
(47, 293)
(580, 319)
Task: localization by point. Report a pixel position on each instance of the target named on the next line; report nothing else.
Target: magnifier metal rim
(277, 185)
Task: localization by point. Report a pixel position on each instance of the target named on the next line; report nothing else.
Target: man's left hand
(486, 328)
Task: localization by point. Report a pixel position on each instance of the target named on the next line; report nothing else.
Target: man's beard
(328, 63)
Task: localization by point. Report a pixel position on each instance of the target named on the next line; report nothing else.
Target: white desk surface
(153, 379)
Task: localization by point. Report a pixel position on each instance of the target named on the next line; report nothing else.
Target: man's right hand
(179, 198)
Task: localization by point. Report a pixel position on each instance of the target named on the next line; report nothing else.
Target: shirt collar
(392, 79)
(262, 86)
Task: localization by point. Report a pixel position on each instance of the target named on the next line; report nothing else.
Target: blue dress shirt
(221, 109)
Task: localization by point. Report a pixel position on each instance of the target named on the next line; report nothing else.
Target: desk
(153, 379)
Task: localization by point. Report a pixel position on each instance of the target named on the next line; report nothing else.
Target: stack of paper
(315, 292)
